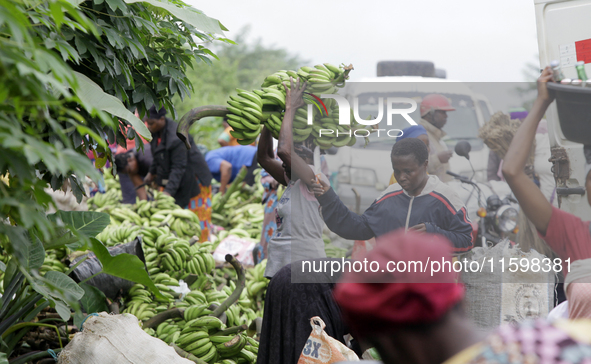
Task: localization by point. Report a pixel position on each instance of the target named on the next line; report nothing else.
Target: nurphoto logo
(345, 112)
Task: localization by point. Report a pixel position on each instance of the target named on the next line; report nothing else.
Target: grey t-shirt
(299, 228)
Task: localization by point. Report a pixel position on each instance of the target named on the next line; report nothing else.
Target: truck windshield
(462, 124)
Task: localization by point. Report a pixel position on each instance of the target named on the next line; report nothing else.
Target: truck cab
(563, 35)
(366, 166)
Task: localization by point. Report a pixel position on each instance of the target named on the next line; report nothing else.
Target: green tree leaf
(93, 95)
(60, 289)
(93, 299)
(88, 223)
(188, 15)
(27, 249)
(59, 279)
(124, 266)
(62, 309)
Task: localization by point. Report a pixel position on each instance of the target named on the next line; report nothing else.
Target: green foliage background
(72, 71)
(244, 65)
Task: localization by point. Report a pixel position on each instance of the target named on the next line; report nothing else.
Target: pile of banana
(102, 201)
(109, 199)
(251, 301)
(148, 218)
(243, 213)
(203, 337)
(245, 221)
(197, 333)
(166, 252)
(53, 261)
(171, 255)
(257, 284)
(250, 110)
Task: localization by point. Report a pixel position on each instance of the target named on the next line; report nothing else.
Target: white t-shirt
(299, 228)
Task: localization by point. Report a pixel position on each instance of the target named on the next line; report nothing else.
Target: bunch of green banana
(169, 331)
(123, 214)
(251, 109)
(52, 262)
(111, 181)
(201, 261)
(195, 311)
(228, 346)
(243, 211)
(139, 303)
(200, 337)
(102, 201)
(322, 79)
(195, 337)
(246, 113)
(258, 282)
(161, 201)
(119, 233)
(184, 223)
(165, 279)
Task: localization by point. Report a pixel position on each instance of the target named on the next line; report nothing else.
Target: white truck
(564, 35)
(367, 168)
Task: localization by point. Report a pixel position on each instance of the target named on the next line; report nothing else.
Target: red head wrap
(371, 302)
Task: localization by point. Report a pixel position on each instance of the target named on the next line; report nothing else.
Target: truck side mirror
(463, 149)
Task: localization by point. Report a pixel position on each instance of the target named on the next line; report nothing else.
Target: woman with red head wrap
(417, 316)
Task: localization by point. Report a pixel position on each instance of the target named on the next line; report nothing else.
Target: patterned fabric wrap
(201, 205)
(269, 223)
(535, 342)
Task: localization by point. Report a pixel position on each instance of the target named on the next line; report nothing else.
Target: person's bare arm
(266, 158)
(137, 180)
(223, 143)
(225, 175)
(293, 101)
(531, 199)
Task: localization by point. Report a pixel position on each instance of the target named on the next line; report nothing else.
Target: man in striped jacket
(418, 202)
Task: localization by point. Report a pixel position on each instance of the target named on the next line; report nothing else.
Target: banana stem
(187, 355)
(232, 330)
(239, 286)
(195, 114)
(163, 316)
(345, 75)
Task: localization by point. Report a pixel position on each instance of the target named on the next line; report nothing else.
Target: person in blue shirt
(225, 163)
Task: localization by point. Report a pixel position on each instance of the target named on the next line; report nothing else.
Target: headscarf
(380, 301)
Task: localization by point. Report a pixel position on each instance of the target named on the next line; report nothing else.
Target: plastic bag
(109, 339)
(323, 349)
(108, 284)
(495, 295)
(234, 245)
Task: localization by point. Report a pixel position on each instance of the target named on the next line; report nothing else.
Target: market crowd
(409, 317)
(166, 165)
(416, 317)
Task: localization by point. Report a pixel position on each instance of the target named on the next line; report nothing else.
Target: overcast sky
(473, 40)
